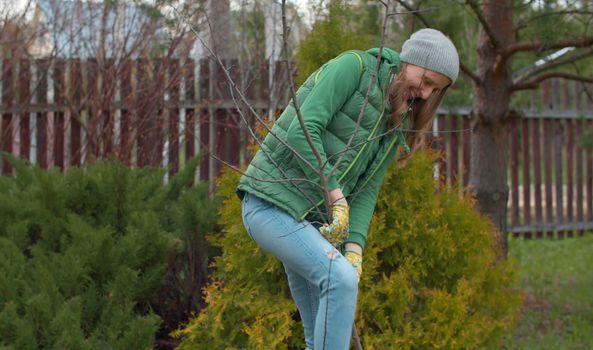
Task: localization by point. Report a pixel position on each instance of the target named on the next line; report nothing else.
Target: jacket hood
(387, 55)
(390, 64)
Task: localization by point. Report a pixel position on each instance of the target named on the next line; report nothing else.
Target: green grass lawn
(557, 280)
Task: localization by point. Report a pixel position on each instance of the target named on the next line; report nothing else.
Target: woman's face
(421, 82)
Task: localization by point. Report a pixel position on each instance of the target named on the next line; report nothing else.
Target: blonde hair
(422, 113)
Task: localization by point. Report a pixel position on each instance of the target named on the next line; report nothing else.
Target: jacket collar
(390, 63)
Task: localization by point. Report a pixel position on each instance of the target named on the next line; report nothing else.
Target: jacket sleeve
(335, 83)
(364, 199)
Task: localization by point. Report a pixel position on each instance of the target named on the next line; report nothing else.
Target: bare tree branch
(233, 86)
(465, 69)
(229, 165)
(584, 85)
(374, 78)
(416, 12)
(540, 45)
(533, 84)
(271, 159)
(397, 13)
(242, 96)
(524, 23)
(554, 63)
(478, 12)
(322, 177)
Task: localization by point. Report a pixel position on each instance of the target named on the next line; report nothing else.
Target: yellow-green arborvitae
(431, 277)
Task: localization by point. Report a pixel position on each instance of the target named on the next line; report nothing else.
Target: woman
(282, 197)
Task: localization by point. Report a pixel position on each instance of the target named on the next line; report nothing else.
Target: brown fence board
(76, 98)
(443, 144)
(569, 151)
(174, 86)
(7, 132)
(545, 88)
(558, 185)
(579, 173)
(190, 124)
(40, 92)
(514, 164)
(204, 128)
(58, 138)
(25, 136)
(526, 160)
(548, 125)
(75, 141)
(190, 119)
(590, 178)
(454, 150)
(24, 91)
(537, 170)
(60, 126)
(6, 141)
(467, 140)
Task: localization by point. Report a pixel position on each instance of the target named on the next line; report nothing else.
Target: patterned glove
(337, 231)
(356, 261)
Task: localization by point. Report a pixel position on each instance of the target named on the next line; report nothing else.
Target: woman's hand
(356, 260)
(337, 231)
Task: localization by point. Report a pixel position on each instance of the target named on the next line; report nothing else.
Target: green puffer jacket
(330, 101)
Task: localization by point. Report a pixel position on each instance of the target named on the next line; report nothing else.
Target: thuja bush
(431, 278)
(90, 259)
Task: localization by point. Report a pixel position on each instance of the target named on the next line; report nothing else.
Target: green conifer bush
(90, 259)
(431, 279)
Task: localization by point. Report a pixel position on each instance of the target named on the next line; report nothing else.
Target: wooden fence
(158, 113)
(550, 174)
(162, 112)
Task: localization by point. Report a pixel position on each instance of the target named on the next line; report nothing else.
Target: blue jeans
(322, 282)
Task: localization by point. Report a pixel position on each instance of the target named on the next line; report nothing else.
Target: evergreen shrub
(84, 255)
(344, 25)
(431, 279)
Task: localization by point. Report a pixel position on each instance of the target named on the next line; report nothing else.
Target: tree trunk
(488, 170)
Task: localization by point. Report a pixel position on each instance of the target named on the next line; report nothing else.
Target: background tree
(345, 27)
(515, 43)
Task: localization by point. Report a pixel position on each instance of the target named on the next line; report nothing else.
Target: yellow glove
(337, 231)
(356, 261)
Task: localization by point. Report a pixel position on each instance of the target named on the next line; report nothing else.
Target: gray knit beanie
(432, 50)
